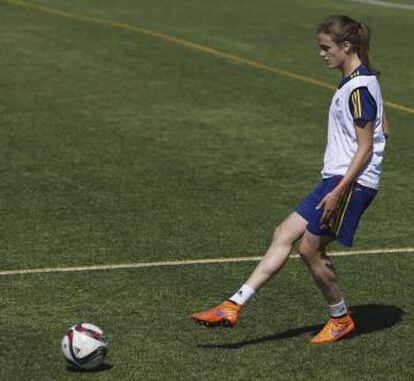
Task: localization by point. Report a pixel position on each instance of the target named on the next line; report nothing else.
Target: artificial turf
(118, 146)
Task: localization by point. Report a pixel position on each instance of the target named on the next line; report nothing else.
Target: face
(332, 53)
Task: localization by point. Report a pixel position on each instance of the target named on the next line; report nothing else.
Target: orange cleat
(335, 329)
(225, 315)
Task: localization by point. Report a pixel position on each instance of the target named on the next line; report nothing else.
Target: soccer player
(350, 177)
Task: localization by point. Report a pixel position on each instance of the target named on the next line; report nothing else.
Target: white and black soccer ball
(85, 345)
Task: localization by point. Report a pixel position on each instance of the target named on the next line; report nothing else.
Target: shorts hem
(301, 214)
(345, 243)
(319, 232)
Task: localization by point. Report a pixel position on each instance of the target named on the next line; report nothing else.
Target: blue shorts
(360, 198)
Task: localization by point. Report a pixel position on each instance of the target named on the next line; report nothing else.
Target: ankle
(242, 295)
(338, 310)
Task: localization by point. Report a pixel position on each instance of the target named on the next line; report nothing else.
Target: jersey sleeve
(362, 105)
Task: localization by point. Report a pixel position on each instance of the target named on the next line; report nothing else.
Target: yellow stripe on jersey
(358, 95)
(354, 103)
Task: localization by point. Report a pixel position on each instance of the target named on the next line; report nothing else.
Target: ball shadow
(368, 318)
(101, 368)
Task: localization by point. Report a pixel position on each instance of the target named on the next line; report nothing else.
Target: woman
(350, 179)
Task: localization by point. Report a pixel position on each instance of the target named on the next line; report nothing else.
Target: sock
(243, 295)
(338, 310)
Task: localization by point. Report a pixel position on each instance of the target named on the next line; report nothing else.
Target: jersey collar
(360, 70)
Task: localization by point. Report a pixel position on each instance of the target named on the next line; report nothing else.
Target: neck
(350, 65)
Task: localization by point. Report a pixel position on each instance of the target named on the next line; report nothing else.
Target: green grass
(121, 147)
(146, 317)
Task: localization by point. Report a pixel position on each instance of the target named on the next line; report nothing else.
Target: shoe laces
(334, 324)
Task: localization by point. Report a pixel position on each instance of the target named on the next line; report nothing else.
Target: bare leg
(227, 313)
(285, 235)
(312, 249)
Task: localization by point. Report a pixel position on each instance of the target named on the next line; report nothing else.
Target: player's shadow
(368, 318)
(101, 368)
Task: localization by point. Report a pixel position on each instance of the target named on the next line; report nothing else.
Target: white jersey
(358, 97)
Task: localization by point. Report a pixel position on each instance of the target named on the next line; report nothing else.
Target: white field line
(189, 262)
(386, 4)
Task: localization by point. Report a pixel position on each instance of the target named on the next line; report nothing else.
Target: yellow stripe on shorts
(338, 218)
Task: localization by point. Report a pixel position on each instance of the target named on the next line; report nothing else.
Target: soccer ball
(85, 345)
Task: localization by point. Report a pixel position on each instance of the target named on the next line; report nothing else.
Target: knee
(282, 234)
(308, 252)
(277, 233)
(306, 257)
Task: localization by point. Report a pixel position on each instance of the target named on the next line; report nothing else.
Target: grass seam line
(190, 45)
(385, 4)
(123, 266)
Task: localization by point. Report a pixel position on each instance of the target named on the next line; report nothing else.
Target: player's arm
(365, 139)
(363, 108)
(386, 125)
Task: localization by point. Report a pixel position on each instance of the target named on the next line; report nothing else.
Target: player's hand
(329, 204)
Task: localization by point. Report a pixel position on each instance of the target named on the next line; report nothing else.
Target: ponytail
(363, 48)
(342, 28)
